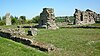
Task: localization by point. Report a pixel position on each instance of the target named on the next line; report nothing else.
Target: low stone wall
(24, 26)
(4, 34)
(97, 27)
(14, 38)
(39, 45)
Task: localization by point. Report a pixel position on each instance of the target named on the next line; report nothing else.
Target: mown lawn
(72, 41)
(11, 48)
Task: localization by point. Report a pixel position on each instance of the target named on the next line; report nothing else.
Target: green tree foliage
(71, 18)
(60, 19)
(22, 19)
(65, 19)
(2, 23)
(4, 18)
(0, 18)
(35, 19)
(29, 21)
(14, 20)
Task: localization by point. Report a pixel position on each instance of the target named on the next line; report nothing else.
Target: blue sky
(31, 8)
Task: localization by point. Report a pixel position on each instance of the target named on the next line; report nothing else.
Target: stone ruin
(47, 19)
(98, 17)
(32, 31)
(84, 17)
(18, 35)
(8, 19)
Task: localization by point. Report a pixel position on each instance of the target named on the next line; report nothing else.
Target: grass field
(96, 24)
(70, 41)
(11, 48)
(73, 42)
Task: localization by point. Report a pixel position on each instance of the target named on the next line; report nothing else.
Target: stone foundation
(25, 40)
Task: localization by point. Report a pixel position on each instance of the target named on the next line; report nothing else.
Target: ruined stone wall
(98, 17)
(77, 15)
(8, 19)
(84, 17)
(19, 36)
(47, 19)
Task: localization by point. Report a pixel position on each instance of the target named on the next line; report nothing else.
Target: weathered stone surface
(32, 31)
(84, 17)
(17, 31)
(47, 19)
(8, 19)
(98, 17)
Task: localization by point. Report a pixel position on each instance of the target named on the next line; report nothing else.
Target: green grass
(15, 26)
(70, 41)
(11, 48)
(73, 42)
(96, 24)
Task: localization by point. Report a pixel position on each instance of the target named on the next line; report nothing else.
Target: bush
(35, 19)
(2, 23)
(97, 21)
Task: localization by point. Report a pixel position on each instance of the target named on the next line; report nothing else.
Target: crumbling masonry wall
(84, 17)
(8, 19)
(47, 19)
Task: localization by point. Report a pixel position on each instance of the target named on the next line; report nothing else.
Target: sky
(32, 8)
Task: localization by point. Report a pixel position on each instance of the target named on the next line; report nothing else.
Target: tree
(11, 17)
(14, 21)
(4, 18)
(36, 19)
(22, 19)
(2, 23)
(16, 17)
(29, 21)
(0, 18)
